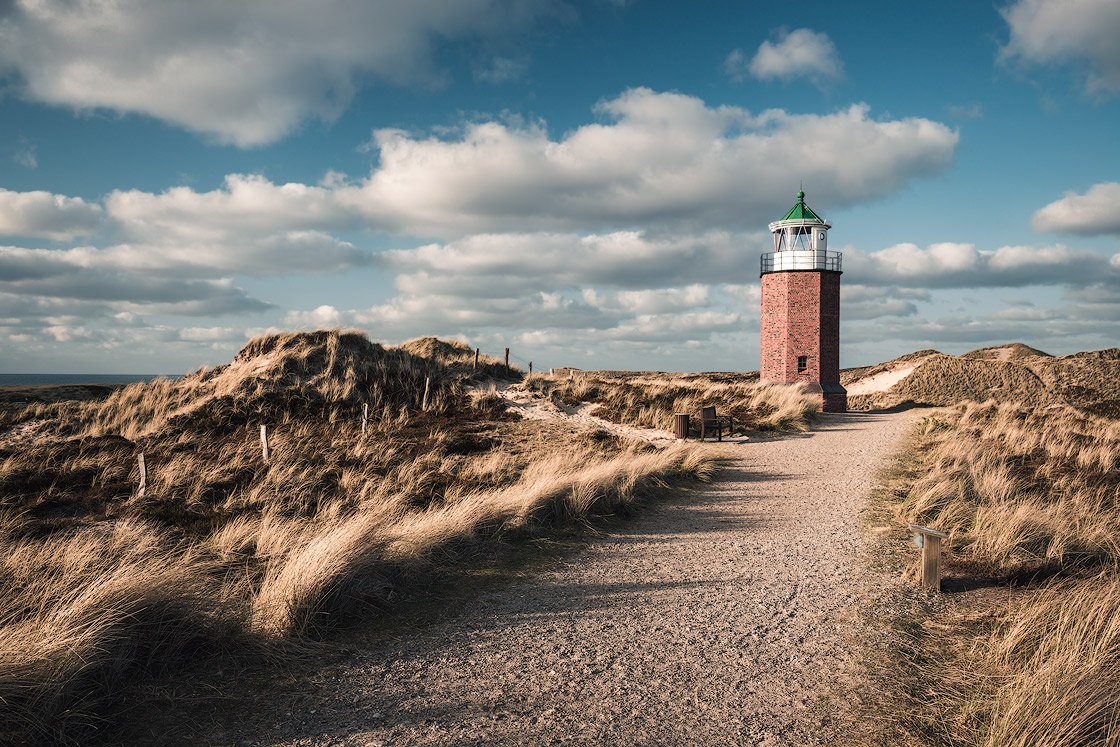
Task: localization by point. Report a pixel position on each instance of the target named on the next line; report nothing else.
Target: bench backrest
(707, 414)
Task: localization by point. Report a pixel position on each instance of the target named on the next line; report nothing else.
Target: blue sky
(587, 183)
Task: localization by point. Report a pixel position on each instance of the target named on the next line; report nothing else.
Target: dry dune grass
(275, 376)
(81, 610)
(650, 400)
(1013, 373)
(1031, 498)
(940, 379)
(1019, 487)
(225, 553)
(1058, 660)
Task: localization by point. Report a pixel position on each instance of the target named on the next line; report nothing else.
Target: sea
(37, 379)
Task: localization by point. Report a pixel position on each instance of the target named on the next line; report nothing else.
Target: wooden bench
(709, 422)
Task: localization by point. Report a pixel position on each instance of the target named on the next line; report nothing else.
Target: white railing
(801, 259)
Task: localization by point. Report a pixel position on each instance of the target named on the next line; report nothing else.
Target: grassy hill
(1025, 648)
(1005, 373)
(385, 465)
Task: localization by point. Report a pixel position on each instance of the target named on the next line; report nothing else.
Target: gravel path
(719, 620)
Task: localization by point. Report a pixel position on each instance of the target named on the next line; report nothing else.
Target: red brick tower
(800, 336)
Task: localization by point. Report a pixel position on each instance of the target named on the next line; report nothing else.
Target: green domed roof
(801, 211)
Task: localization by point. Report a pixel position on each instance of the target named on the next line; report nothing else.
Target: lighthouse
(800, 331)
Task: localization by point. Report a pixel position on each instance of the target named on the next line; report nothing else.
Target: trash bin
(680, 425)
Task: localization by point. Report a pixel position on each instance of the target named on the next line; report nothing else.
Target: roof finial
(801, 190)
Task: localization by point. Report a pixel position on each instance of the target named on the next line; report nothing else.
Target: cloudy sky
(588, 183)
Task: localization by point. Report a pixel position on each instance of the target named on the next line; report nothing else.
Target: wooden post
(507, 360)
(530, 369)
(264, 442)
(571, 376)
(143, 475)
(930, 542)
(427, 385)
(476, 359)
(365, 416)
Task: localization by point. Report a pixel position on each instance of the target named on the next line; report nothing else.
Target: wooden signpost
(930, 542)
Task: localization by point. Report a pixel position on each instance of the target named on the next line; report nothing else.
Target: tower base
(834, 397)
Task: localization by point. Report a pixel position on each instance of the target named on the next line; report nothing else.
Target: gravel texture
(725, 618)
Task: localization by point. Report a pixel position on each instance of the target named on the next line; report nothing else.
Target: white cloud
(1083, 32)
(85, 274)
(953, 265)
(910, 261)
(680, 328)
(663, 300)
(211, 334)
(735, 64)
(46, 215)
(1094, 213)
(558, 292)
(249, 226)
(868, 302)
(1065, 327)
(245, 72)
(110, 342)
(275, 254)
(799, 53)
(504, 265)
(664, 159)
(317, 318)
(625, 288)
(245, 204)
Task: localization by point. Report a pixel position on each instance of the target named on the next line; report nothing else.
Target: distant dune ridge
(1005, 373)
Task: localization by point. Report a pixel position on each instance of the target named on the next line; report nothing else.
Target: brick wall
(801, 317)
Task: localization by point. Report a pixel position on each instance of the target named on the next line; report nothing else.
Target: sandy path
(717, 620)
(532, 406)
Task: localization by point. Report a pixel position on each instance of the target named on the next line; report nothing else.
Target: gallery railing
(801, 259)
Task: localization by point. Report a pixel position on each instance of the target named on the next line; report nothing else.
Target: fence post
(143, 475)
(530, 369)
(476, 359)
(427, 385)
(365, 416)
(264, 442)
(507, 360)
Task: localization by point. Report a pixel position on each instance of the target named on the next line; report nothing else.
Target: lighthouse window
(802, 363)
